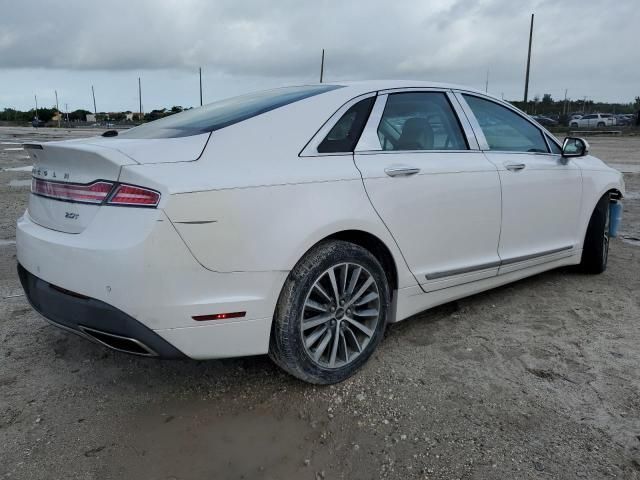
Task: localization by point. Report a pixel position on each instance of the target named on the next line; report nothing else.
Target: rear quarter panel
(251, 203)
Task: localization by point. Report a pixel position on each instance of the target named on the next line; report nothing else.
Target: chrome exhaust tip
(118, 342)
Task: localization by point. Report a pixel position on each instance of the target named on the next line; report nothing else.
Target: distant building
(91, 117)
(128, 116)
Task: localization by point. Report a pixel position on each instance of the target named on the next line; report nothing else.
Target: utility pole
(200, 72)
(322, 67)
(564, 110)
(36, 97)
(95, 110)
(486, 83)
(140, 98)
(66, 110)
(57, 108)
(526, 81)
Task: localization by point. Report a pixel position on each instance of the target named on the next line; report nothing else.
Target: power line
(57, 108)
(140, 97)
(526, 82)
(93, 93)
(200, 73)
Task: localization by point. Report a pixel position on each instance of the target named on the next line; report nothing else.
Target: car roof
(364, 86)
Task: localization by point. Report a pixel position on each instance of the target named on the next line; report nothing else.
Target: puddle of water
(28, 168)
(20, 183)
(4, 243)
(631, 241)
(625, 167)
(632, 196)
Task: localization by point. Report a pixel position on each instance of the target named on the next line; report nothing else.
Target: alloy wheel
(340, 315)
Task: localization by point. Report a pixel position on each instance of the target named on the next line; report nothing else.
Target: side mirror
(574, 147)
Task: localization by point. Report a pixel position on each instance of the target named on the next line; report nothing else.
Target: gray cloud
(588, 47)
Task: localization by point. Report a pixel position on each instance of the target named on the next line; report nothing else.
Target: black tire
(287, 348)
(595, 252)
(574, 125)
(600, 125)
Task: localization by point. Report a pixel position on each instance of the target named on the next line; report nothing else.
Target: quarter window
(345, 133)
(420, 121)
(504, 129)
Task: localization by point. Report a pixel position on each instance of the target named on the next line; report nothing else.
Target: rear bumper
(131, 264)
(94, 319)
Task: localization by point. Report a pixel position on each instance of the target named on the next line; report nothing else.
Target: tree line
(538, 106)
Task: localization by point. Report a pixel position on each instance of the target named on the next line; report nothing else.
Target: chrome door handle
(515, 167)
(401, 171)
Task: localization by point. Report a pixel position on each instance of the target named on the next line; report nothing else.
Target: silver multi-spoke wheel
(340, 315)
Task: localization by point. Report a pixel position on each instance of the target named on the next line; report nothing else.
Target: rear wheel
(595, 252)
(331, 313)
(600, 124)
(574, 125)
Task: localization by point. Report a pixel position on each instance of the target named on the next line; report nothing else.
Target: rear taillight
(95, 192)
(134, 196)
(98, 192)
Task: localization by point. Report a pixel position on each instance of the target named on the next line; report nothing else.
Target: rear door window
(504, 129)
(420, 121)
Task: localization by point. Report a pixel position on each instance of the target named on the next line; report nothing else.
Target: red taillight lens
(95, 192)
(134, 196)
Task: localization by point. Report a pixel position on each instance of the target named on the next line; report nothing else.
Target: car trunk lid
(58, 167)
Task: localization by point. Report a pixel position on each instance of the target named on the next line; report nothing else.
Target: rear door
(432, 187)
(541, 190)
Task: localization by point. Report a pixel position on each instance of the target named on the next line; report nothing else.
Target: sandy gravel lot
(535, 380)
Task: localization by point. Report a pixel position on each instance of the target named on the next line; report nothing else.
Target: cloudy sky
(588, 47)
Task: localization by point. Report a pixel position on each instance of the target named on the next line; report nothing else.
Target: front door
(434, 189)
(541, 190)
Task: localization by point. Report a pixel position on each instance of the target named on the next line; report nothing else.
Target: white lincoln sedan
(300, 221)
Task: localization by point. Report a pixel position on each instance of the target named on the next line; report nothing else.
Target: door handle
(401, 171)
(515, 167)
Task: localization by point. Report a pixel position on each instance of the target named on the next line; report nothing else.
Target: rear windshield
(223, 113)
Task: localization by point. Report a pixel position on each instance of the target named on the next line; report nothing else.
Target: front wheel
(574, 125)
(331, 313)
(595, 252)
(600, 125)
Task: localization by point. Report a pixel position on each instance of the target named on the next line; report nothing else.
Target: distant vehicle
(300, 221)
(594, 120)
(36, 122)
(546, 121)
(624, 119)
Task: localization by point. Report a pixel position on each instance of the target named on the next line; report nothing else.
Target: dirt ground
(535, 380)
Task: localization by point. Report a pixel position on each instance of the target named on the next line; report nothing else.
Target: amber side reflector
(219, 316)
